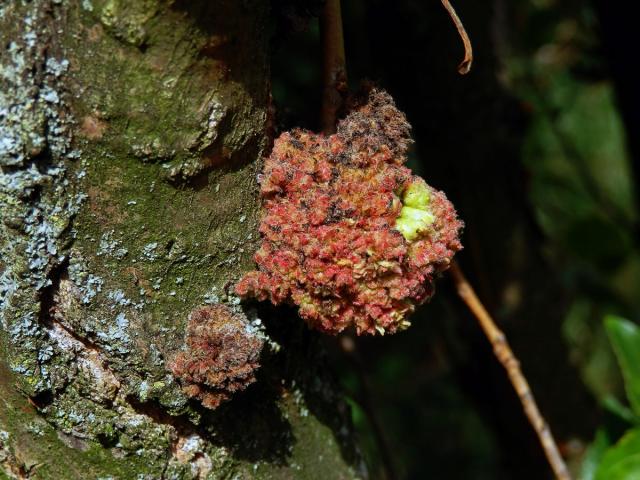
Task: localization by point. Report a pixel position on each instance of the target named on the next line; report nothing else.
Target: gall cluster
(349, 235)
(220, 356)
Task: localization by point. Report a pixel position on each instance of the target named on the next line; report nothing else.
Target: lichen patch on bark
(129, 149)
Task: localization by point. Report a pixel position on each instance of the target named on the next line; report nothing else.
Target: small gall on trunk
(220, 356)
(349, 234)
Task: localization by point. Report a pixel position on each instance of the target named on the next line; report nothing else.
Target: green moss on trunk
(131, 140)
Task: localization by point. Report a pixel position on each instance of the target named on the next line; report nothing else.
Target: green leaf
(593, 455)
(613, 405)
(622, 461)
(625, 338)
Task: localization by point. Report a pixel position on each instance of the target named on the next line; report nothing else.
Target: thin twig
(334, 81)
(465, 65)
(508, 360)
(334, 73)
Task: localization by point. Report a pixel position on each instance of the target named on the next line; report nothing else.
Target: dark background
(538, 149)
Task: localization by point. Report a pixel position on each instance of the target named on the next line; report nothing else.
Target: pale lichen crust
(349, 235)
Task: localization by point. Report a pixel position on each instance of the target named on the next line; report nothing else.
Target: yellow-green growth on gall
(415, 217)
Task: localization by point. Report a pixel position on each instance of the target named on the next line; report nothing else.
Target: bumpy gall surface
(349, 235)
(220, 356)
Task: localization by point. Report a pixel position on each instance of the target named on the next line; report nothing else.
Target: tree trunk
(130, 142)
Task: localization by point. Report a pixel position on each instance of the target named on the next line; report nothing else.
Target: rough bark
(130, 142)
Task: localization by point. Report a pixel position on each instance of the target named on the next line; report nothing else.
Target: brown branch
(508, 360)
(334, 81)
(465, 65)
(335, 84)
(334, 72)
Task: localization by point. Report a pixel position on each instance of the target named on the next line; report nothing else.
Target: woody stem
(465, 65)
(505, 356)
(334, 72)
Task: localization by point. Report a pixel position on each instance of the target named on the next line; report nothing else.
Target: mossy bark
(130, 142)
